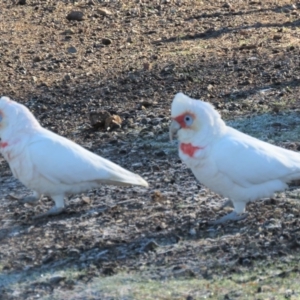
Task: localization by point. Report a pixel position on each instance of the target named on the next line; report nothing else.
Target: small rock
(264, 289)
(145, 121)
(106, 136)
(149, 135)
(72, 50)
(48, 258)
(155, 121)
(160, 153)
(146, 103)
(246, 262)
(226, 5)
(155, 167)
(137, 165)
(150, 246)
(73, 251)
(37, 59)
(147, 66)
(286, 10)
(123, 151)
(67, 77)
(103, 12)
(98, 118)
(87, 200)
(157, 196)
(106, 41)
(288, 294)
(68, 32)
(75, 16)
(56, 279)
(210, 87)
(277, 37)
(22, 2)
(113, 122)
(108, 271)
(184, 272)
(193, 231)
(129, 40)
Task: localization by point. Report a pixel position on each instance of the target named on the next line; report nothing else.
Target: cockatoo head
(194, 121)
(14, 118)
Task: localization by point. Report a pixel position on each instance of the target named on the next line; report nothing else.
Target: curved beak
(174, 127)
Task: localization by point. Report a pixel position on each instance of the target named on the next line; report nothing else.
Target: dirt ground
(130, 58)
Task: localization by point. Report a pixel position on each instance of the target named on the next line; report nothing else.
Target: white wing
(63, 161)
(247, 160)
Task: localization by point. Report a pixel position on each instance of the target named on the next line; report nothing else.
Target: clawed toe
(51, 212)
(32, 199)
(227, 203)
(233, 216)
(29, 199)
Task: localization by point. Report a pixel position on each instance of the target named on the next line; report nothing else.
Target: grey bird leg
(236, 215)
(227, 203)
(233, 216)
(32, 199)
(58, 208)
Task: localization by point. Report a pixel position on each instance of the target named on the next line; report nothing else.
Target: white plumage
(226, 160)
(50, 164)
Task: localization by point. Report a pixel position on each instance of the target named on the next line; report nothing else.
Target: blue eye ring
(188, 120)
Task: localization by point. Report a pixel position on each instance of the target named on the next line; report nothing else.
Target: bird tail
(119, 176)
(132, 179)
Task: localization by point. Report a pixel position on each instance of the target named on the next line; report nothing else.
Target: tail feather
(132, 180)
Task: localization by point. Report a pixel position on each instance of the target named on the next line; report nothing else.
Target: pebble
(56, 279)
(150, 246)
(106, 41)
(160, 153)
(113, 122)
(155, 121)
(137, 165)
(145, 121)
(193, 231)
(103, 12)
(75, 16)
(72, 50)
(97, 118)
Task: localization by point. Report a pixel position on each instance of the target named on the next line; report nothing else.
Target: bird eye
(188, 119)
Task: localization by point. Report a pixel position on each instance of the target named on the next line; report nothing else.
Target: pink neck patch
(189, 149)
(3, 144)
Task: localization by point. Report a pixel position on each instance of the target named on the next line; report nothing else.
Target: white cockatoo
(227, 161)
(50, 164)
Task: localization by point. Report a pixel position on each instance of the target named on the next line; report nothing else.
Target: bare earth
(130, 58)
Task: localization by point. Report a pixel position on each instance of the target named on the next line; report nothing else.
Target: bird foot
(51, 212)
(227, 203)
(233, 216)
(29, 199)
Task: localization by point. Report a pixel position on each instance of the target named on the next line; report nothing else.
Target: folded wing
(62, 161)
(249, 161)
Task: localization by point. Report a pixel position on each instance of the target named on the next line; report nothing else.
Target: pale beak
(174, 127)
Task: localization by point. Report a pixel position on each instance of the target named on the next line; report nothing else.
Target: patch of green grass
(263, 280)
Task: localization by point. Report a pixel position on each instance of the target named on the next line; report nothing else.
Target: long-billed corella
(227, 161)
(50, 164)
